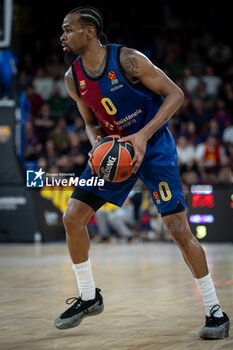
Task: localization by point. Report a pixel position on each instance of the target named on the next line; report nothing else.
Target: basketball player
(119, 91)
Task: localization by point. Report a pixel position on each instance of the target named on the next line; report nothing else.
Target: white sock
(208, 294)
(85, 280)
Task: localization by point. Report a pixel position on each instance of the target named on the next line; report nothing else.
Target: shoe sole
(219, 332)
(74, 322)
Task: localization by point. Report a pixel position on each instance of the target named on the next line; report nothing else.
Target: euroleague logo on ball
(124, 174)
(111, 159)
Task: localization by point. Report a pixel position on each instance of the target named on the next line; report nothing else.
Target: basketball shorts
(159, 171)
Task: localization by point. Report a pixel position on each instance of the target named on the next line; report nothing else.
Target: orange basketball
(111, 159)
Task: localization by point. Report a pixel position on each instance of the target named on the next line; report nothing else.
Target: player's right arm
(93, 129)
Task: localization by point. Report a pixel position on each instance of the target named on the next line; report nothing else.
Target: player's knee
(67, 218)
(71, 219)
(179, 230)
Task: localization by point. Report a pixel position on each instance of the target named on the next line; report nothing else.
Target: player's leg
(217, 323)
(191, 249)
(90, 302)
(164, 183)
(85, 201)
(75, 219)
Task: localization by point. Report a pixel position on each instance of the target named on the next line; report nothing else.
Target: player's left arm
(138, 67)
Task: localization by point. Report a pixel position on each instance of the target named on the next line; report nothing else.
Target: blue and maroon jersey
(121, 106)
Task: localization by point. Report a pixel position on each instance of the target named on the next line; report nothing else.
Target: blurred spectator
(71, 112)
(228, 74)
(220, 54)
(229, 153)
(190, 177)
(24, 80)
(43, 84)
(195, 61)
(32, 147)
(59, 136)
(190, 81)
(44, 122)
(198, 114)
(36, 101)
(60, 84)
(76, 153)
(228, 134)
(54, 169)
(210, 153)
(159, 230)
(212, 81)
(27, 64)
(179, 119)
(185, 151)
(42, 163)
(191, 133)
(79, 127)
(54, 66)
(201, 93)
(122, 219)
(64, 163)
(57, 103)
(212, 129)
(222, 115)
(173, 61)
(50, 153)
(226, 93)
(224, 178)
(104, 231)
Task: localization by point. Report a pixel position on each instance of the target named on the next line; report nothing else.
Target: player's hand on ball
(139, 143)
(91, 153)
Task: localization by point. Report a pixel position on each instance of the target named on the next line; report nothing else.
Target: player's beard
(69, 58)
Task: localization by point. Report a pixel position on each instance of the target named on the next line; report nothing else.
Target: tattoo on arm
(70, 81)
(129, 62)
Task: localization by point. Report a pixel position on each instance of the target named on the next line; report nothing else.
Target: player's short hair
(90, 15)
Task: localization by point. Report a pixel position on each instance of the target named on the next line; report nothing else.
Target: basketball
(111, 159)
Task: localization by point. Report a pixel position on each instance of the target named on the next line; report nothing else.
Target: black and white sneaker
(215, 327)
(73, 316)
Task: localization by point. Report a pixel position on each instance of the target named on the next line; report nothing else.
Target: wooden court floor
(151, 301)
